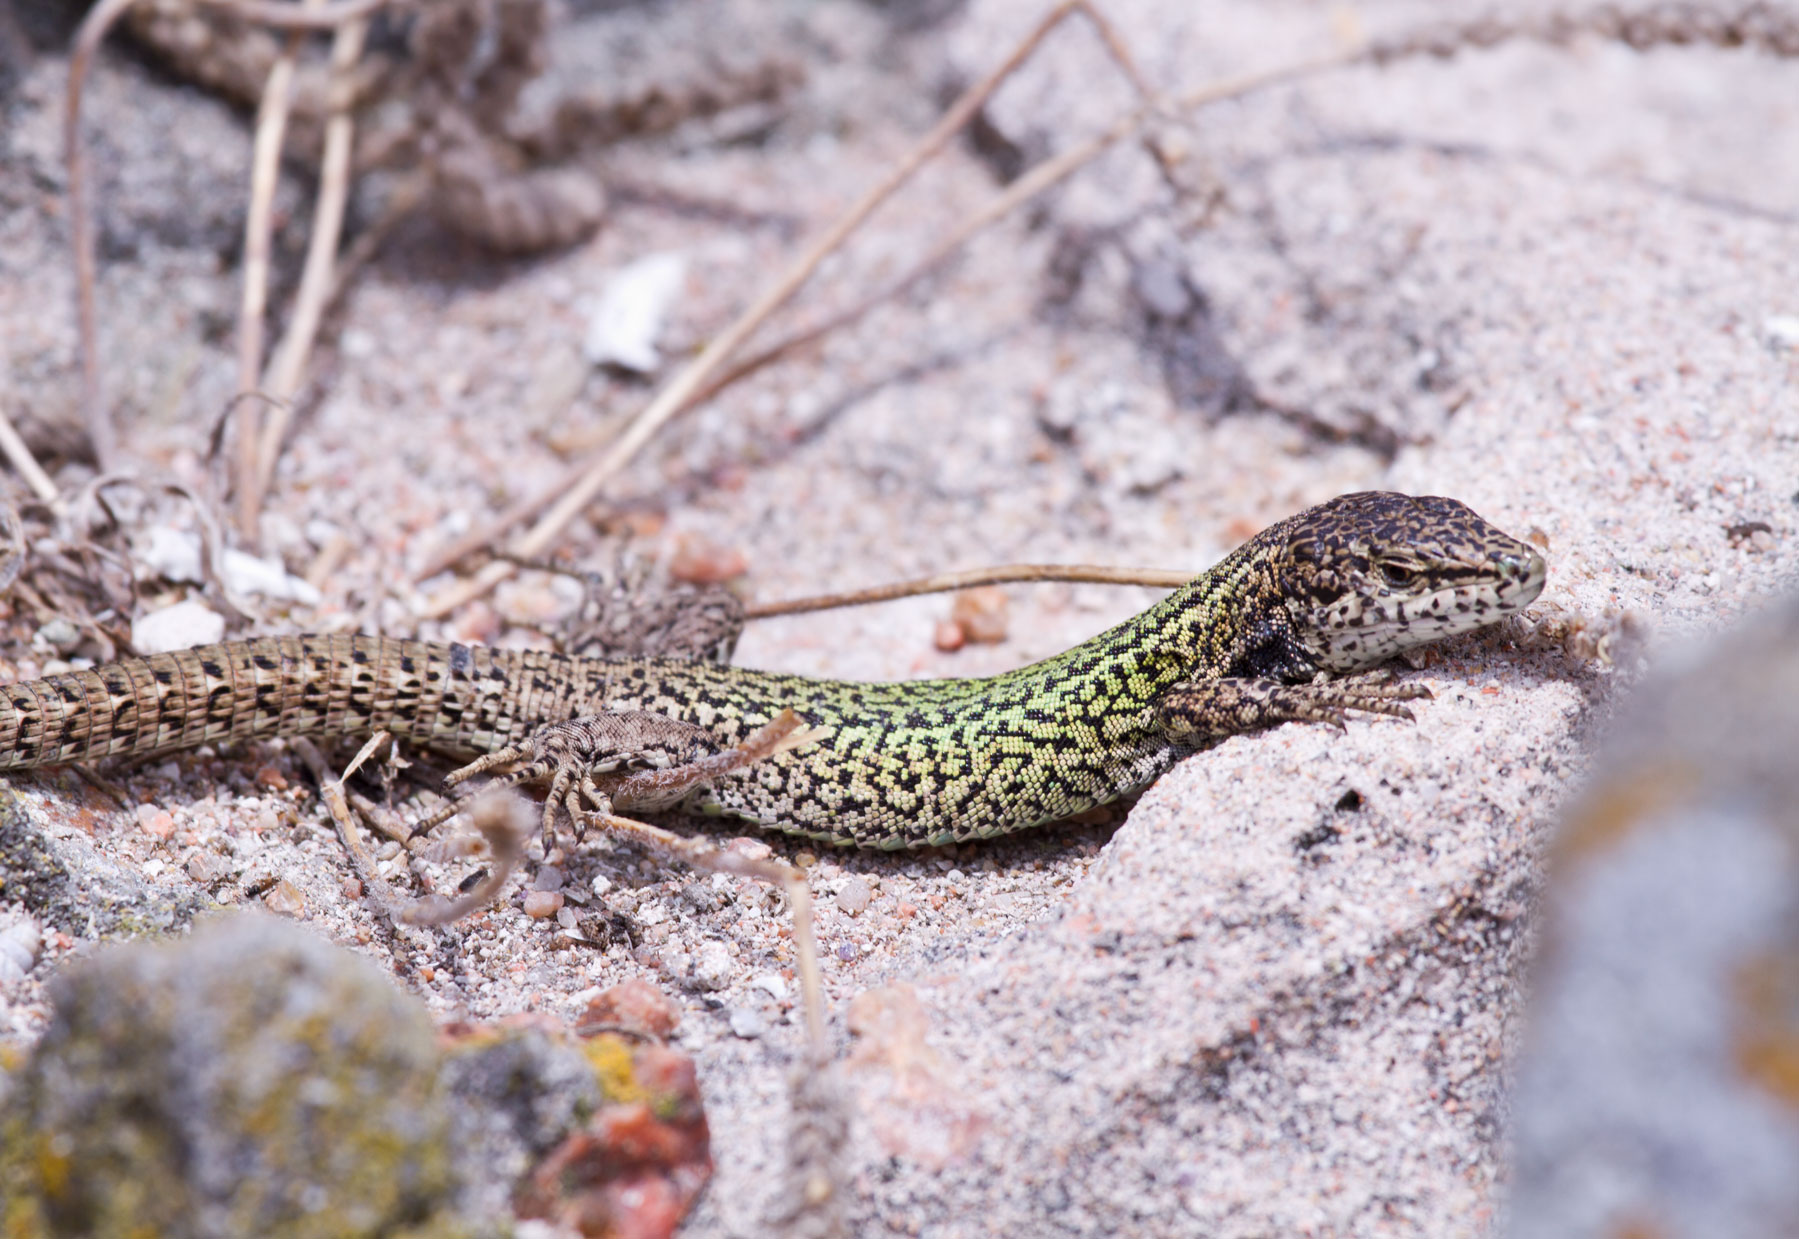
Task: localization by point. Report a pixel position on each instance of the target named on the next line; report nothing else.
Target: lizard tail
(461, 698)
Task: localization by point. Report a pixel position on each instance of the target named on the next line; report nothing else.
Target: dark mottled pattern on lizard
(1338, 588)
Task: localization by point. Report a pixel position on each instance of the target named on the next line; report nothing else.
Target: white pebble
(712, 966)
(19, 946)
(1782, 329)
(246, 574)
(180, 627)
(625, 325)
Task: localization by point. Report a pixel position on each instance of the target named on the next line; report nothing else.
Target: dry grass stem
(265, 170)
(1755, 25)
(590, 477)
(331, 788)
(96, 413)
(22, 460)
(317, 282)
(315, 17)
(1005, 574)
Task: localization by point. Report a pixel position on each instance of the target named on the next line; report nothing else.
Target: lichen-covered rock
(1659, 1092)
(633, 1170)
(55, 871)
(249, 1080)
(255, 1080)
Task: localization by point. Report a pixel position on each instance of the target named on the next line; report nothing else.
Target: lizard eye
(1398, 575)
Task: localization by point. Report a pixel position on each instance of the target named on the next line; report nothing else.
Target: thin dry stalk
(265, 171)
(1005, 574)
(316, 17)
(1039, 178)
(22, 460)
(317, 282)
(97, 414)
(331, 787)
(588, 480)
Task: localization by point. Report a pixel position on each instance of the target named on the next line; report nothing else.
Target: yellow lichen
(610, 1057)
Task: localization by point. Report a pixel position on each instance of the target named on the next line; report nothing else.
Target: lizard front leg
(1206, 711)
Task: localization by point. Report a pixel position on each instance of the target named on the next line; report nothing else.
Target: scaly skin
(1338, 589)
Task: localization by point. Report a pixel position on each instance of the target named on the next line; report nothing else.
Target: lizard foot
(1212, 710)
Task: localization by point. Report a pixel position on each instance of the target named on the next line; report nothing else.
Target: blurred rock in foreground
(255, 1080)
(1659, 1093)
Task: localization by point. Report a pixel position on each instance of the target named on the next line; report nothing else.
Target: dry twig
(1089, 574)
(583, 484)
(1756, 25)
(316, 283)
(102, 435)
(265, 170)
(20, 455)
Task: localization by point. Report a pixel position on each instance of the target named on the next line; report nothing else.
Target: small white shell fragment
(172, 554)
(246, 574)
(19, 946)
(627, 322)
(178, 627)
(747, 1023)
(1782, 329)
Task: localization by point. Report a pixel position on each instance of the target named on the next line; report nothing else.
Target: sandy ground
(1557, 283)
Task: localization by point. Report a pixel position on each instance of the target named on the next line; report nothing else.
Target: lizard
(1290, 626)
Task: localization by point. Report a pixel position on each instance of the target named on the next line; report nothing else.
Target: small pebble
(771, 983)
(284, 897)
(713, 966)
(635, 1005)
(981, 614)
(566, 918)
(1782, 329)
(628, 317)
(60, 634)
(541, 905)
(352, 888)
(699, 562)
(746, 1022)
(846, 951)
(853, 898)
(600, 884)
(156, 821)
(549, 878)
(207, 868)
(20, 943)
(179, 627)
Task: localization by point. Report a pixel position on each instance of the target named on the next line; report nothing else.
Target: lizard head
(1374, 573)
